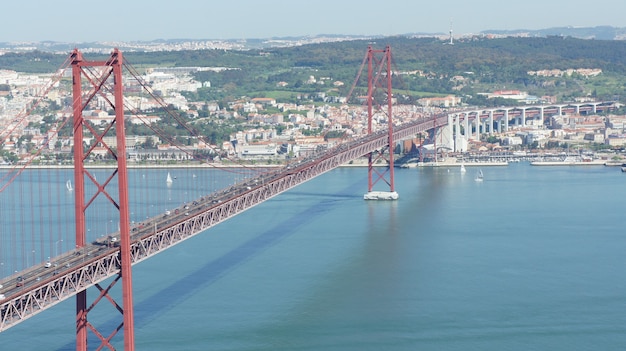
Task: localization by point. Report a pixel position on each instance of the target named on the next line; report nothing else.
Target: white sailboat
(68, 185)
(463, 168)
(169, 179)
(479, 176)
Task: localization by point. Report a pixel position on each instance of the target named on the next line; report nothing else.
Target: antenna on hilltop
(451, 40)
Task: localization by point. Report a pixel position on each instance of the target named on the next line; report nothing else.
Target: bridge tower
(103, 80)
(379, 87)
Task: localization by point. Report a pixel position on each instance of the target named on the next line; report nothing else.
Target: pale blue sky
(129, 20)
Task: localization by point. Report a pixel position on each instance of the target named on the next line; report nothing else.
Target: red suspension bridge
(66, 229)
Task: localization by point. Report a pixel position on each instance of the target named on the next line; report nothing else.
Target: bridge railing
(90, 265)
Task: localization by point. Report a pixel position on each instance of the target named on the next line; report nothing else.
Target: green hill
(483, 64)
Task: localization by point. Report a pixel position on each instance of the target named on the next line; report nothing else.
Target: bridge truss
(92, 264)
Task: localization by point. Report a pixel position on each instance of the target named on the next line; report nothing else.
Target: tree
(149, 143)
(493, 139)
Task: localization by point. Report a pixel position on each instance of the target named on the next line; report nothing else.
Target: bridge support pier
(383, 65)
(466, 129)
(457, 133)
(506, 120)
(477, 125)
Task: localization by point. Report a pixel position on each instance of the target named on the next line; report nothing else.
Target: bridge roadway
(41, 287)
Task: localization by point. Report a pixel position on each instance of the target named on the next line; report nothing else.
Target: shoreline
(354, 163)
(156, 166)
(468, 164)
(455, 164)
(566, 163)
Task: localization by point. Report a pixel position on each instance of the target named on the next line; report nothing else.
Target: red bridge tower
(103, 79)
(379, 94)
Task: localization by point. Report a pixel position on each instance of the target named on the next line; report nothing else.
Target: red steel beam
(374, 77)
(98, 83)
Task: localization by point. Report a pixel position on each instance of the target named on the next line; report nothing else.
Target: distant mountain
(599, 32)
(177, 44)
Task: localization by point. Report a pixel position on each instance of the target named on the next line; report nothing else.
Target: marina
(569, 163)
(505, 160)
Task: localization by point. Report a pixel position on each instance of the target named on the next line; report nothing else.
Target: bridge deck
(42, 287)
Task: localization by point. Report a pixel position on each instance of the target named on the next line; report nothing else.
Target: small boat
(169, 178)
(623, 167)
(463, 168)
(68, 185)
(479, 176)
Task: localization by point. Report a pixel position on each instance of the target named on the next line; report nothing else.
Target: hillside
(484, 64)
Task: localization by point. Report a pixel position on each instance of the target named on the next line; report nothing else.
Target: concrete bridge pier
(467, 132)
(461, 138)
(477, 125)
(458, 139)
(455, 135)
(506, 120)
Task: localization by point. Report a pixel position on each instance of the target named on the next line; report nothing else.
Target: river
(532, 258)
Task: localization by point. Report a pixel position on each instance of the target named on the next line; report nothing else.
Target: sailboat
(463, 168)
(479, 176)
(68, 185)
(169, 179)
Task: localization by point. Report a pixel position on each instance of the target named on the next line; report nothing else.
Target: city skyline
(64, 21)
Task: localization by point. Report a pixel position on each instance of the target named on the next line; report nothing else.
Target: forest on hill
(483, 64)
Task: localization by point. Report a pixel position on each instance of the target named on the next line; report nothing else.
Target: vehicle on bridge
(110, 241)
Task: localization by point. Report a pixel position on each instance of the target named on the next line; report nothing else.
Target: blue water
(530, 259)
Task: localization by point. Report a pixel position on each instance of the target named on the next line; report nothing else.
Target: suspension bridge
(67, 229)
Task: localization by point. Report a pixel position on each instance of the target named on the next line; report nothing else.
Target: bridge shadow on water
(185, 287)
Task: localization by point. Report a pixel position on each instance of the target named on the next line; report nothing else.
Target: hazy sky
(129, 20)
